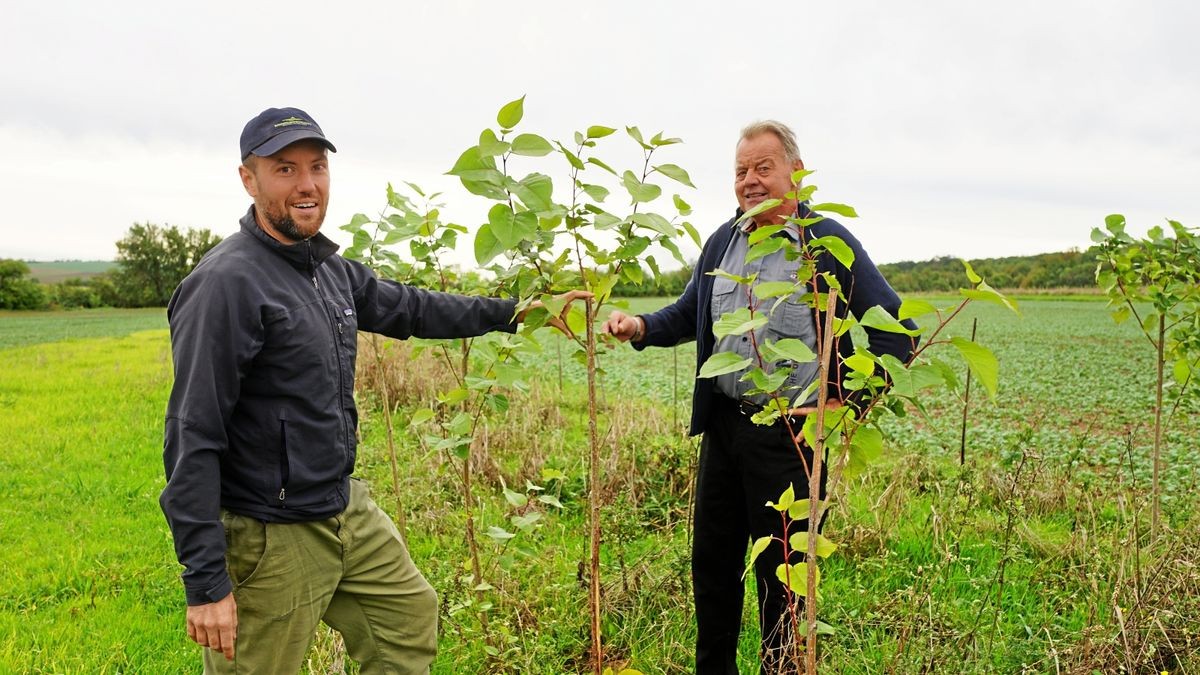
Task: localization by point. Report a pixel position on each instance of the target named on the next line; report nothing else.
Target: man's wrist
(640, 330)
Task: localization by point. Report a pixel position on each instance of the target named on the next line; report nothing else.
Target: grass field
(61, 270)
(1026, 559)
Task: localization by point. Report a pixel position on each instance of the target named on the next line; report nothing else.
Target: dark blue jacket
(690, 318)
(261, 419)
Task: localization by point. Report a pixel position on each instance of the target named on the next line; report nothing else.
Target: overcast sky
(955, 128)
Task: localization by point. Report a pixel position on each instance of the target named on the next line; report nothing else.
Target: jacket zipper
(284, 470)
(337, 346)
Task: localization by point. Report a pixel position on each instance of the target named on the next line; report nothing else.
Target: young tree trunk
(1156, 495)
(594, 493)
(814, 487)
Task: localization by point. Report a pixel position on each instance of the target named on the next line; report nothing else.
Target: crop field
(1032, 556)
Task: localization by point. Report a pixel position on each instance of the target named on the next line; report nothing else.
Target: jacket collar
(303, 255)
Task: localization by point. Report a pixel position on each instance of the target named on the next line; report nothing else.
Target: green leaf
(795, 577)
(602, 165)
(487, 246)
(420, 417)
(682, 207)
(756, 549)
(721, 363)
(598, 193)
(773, 289)
(865, 447)
(785, 500)
(550, 500)
(825, 629)
(836, 247)
(860, 363)
(692, 232)
(658, 140)
(549, 474)
(799, 509)
(654, 222)
(535, 192)
(490, 146)
(511, 228)
(512, 112)
(840, 209)
(762, 232)
(791, 349)
(597, 131)
(975, 278)
(531, 145)
(981, 361)
(515, 498)
(910, 309)
(499, 533)
(764, 205)
(765, 248)
(737, 322)
(799, 542)
(675, 173)
(878, 318)
(639, 191)
(526, 522)
(988, 294)
(636, 135)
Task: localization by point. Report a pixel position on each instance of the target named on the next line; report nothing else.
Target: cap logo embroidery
(292, 121)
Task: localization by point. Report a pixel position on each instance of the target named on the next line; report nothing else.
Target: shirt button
(744, 338)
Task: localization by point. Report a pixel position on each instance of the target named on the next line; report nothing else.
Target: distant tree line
(1068, 269)
(151, 261)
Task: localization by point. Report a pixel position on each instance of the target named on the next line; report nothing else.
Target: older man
(743, 465)
(273, 532)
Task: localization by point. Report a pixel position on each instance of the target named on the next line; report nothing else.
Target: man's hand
(214, 625)
(830, 405)
(560, 321)
(624, 327)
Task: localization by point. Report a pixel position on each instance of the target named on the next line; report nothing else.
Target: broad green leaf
(795, 577)
(535, 192)
(639, 191)
(762, 232)
(981, 361)
(692, 232)
(825, 629)
(454, 396)
(765, 205)
(865, 447)
(571, 157)
(800, 174)
(549, 474)
(420, 416)
(756, 549)
(836, 247)
(765, 248)
(860, 363)
(654, 222)
(531, 145)
(910, 309)
(598, 193)
(902, 383)
(511, 228)
(840, 209)
(636, 135)
(490, 146)
(512, 112)
(597, 131)
(785, 500)
(799, 542)
(773, 289)
(799, 510)
(733, 277)
(515, 498)
(721, 363)
(791, 349)
(526, 522)
(487, 246)
(659, 140)
(499, 533)
(550, 500)
(738, 322)
(675, 173)
(878, 318)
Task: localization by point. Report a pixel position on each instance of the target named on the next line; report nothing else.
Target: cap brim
(277, 143)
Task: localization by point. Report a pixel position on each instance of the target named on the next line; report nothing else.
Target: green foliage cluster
(17, 290)
(1067, 269)
(154, 259)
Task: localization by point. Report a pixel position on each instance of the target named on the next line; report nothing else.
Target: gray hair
(791, 150)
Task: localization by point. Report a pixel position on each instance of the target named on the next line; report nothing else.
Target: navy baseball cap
(276, 128)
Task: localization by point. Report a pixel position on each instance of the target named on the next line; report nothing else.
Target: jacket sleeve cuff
(204, 596)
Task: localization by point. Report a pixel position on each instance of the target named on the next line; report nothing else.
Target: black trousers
(742, 467)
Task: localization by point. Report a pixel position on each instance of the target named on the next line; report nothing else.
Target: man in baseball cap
(260, 439)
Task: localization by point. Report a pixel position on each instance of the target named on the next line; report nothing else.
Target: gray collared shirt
(792, 318)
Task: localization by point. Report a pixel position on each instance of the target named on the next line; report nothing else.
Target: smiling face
(290, 190)
(762, 171)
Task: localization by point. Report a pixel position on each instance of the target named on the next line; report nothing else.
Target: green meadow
(1031, 556)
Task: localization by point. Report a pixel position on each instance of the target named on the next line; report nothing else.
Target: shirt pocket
(724, 297)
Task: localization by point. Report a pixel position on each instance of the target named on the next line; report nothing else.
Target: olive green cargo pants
(353, 571)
